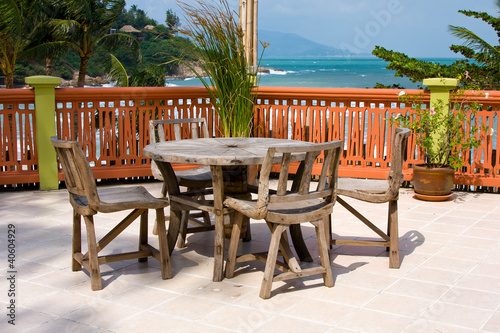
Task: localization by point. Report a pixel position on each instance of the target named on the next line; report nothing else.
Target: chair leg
(267, 280)
(95, 273)
(164, 195)
(323, 250)
(143, 233)
(77, 241)
(393, 233)
(181, 241)
(173, 228)
(166, 268)
(233, 244)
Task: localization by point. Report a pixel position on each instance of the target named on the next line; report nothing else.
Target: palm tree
(17, 28)
(86, 31)
(474, 46)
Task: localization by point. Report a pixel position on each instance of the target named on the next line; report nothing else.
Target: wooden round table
(217, 153)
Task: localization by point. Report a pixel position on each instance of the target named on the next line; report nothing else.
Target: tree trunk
(83, 70)
(9, 80)
(48, 66)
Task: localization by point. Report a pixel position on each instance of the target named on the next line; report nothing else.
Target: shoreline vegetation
(181, 73)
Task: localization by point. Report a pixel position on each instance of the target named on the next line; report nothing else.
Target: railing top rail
(350, 93)
(18, 95)
(131, 92)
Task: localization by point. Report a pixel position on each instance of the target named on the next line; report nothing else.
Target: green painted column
(440, 93)
(45, 106)
(440, 89)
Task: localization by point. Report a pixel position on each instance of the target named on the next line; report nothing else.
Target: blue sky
(418, 28)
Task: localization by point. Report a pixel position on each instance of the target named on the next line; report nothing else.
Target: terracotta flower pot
(429, 180)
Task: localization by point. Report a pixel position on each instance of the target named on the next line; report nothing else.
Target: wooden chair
(283, 208)
(88, 200)
(194, 179)
(379, 191)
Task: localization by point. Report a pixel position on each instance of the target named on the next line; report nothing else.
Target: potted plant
(446, 136)
(217, 41)
(225, 70)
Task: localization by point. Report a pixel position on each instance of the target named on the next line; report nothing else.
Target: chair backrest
(301, 185)
(399, 145)
(78, 175)
(197, 128)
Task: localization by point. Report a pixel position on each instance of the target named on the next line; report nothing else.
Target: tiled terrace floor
(449, 278)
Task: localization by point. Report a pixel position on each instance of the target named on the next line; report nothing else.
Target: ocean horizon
(332, 72)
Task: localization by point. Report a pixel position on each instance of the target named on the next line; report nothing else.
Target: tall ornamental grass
(218, 44)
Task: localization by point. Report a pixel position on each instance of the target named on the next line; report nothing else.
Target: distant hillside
(294, 46)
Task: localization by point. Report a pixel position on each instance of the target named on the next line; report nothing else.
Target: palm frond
(485, 52)
(11, 18)
(116, 41)
(117, 72)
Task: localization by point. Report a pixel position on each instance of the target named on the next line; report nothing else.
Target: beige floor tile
(54, 305)
(149, 322)
(418, 289)
(363, 279)
(427, 326)
(480, 282)
(446, 229)
(493, 323)
(278, 303)
(181, 283)
(435, 275)
(291, 325)
(475, 243)
(452, 314)
(450, 264)
(187, 307)
(142, 297)
(236, 318)
(345, 294)
(26, 319)
(198, 327)
(63, 325)
(373, 321)
(101, 314)
(225, 292)
(319, 311)
(486, 269)
(485, 233)
(460, 252)
(473, 298)
(398, 305)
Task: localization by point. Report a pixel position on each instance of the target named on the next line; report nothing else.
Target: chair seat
(195, 178)
(359, 187)
(285, 213)
(120, 198)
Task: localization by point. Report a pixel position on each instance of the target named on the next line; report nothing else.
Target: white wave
(278, 72)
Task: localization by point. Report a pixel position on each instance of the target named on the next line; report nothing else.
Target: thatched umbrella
(129, 28)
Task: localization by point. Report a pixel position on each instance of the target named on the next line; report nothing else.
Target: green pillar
(45, 106)
(440, 94)
(440, 89)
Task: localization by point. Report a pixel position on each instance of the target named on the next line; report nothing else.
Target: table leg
(218, 190)
(299, 244)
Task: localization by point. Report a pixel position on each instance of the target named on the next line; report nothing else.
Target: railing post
(440, 89)
(45, 106)
(440, 93)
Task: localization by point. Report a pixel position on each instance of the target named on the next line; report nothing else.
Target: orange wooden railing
(18, 157)
(112, 126)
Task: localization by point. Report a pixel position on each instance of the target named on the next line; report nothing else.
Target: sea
(333, 72)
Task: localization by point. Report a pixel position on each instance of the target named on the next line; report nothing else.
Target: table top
(217, 151)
